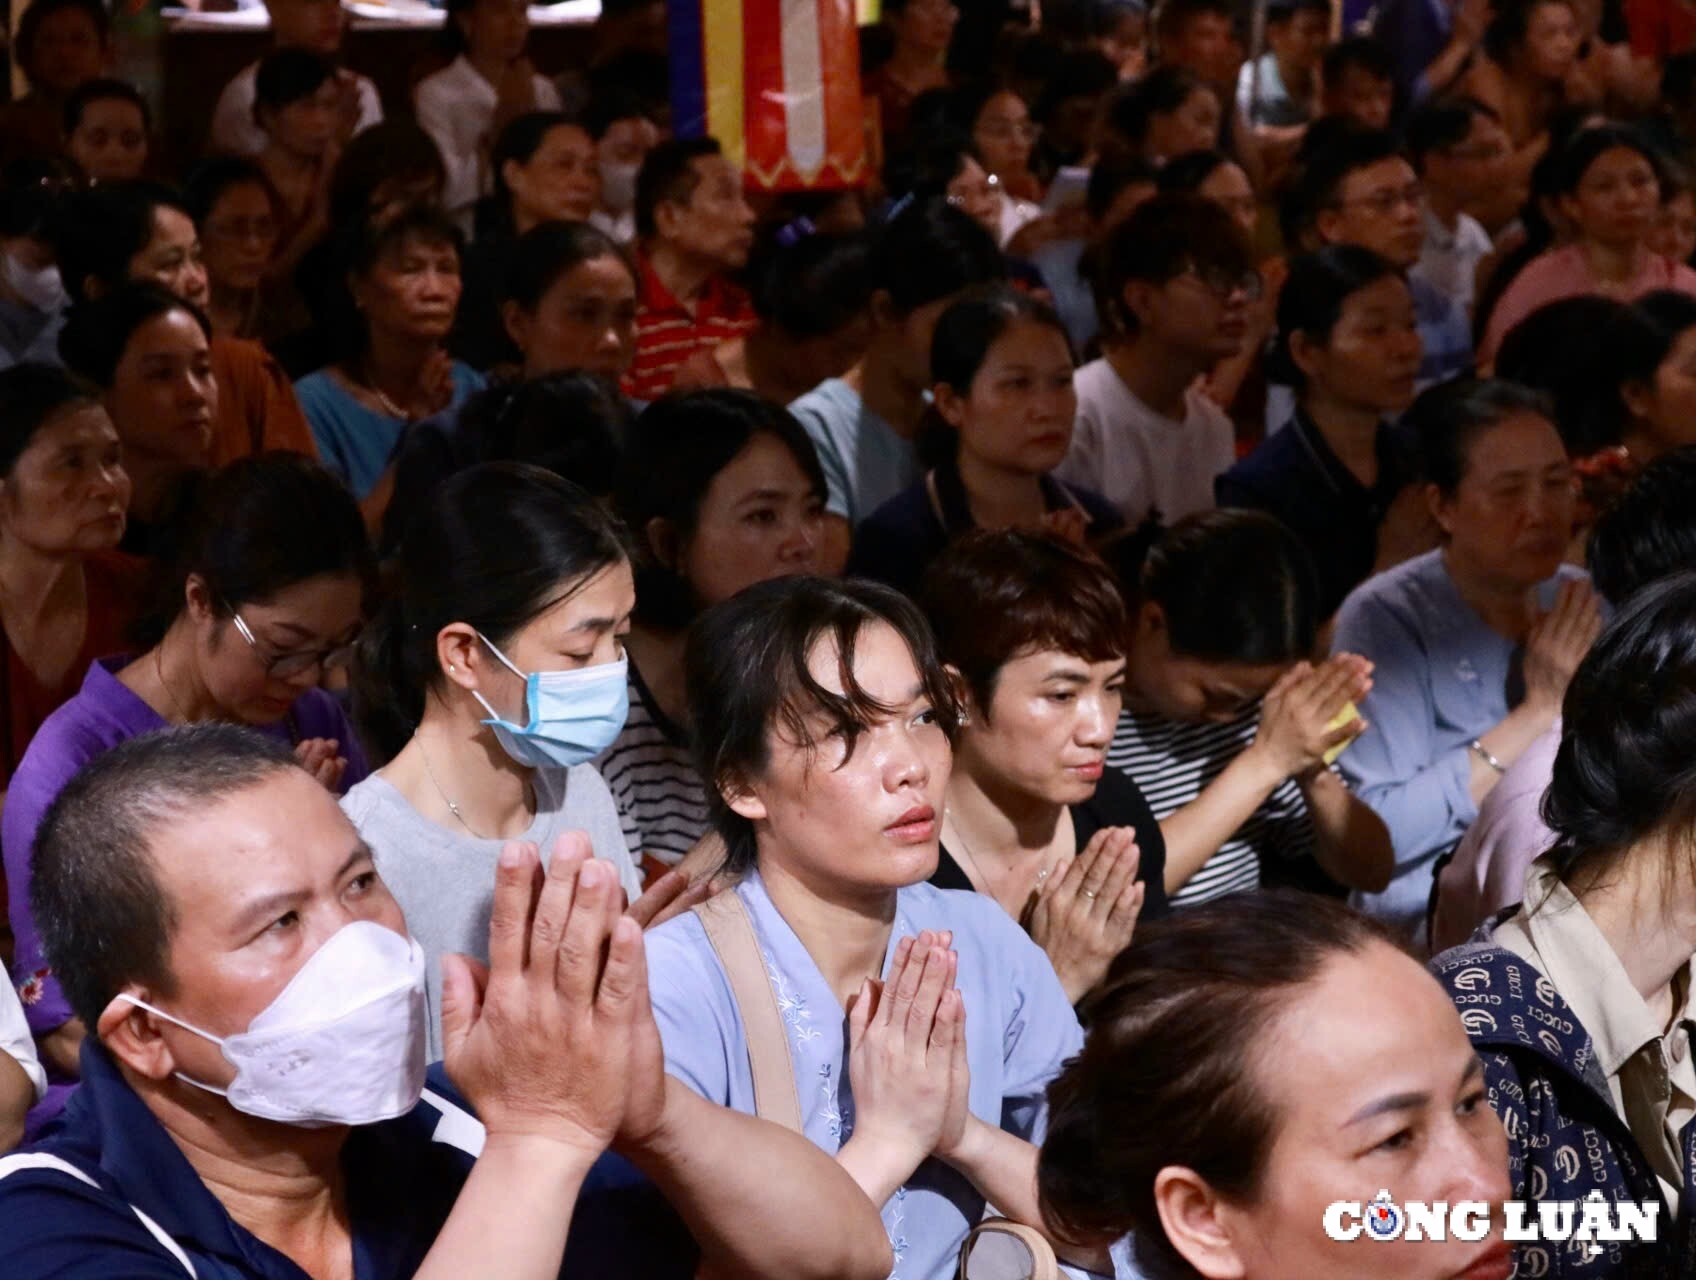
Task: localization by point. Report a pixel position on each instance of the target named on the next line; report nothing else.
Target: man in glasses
(1173, 283)
(1460, 148)
(1361, 190)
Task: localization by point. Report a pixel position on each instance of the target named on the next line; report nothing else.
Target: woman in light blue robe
(828, 787)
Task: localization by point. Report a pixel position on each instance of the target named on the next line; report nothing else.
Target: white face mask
(343, 1043)
(618, 185)
(40, 287)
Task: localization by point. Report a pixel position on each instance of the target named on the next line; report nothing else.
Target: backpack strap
(998, 1249)
(41, 1160)
(731, 931)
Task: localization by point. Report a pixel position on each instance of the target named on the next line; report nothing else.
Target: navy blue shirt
(897, 542)
(1295, 475)
(403, 1177)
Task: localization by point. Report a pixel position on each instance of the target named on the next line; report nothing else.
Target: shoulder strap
(41, 1160)
(731, 932)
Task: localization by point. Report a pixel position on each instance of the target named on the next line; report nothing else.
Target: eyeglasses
(1222, 283)
(1008, 130)
(285, 666)
(1387, 201)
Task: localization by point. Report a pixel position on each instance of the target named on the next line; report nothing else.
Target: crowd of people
(1128, 678)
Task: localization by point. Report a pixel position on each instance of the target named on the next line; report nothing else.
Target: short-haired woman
(1033, 631)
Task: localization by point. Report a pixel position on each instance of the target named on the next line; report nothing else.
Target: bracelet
(1486, 757)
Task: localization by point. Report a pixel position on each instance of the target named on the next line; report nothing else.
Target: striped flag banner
(777, 82)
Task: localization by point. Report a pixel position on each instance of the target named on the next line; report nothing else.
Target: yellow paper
(1347, 714)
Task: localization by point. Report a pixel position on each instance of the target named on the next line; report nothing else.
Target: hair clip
(795, 231)
(899, 207)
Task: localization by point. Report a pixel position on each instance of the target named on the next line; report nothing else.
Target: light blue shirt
(1059, 266)
(356, 442)
(866, 461)
(1020, 1029)
(1439, 680)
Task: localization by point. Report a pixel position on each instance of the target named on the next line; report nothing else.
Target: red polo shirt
(669, 333)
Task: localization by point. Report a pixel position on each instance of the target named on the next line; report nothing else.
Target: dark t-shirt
(1117, 802)
(1294, 475)
(897, 542)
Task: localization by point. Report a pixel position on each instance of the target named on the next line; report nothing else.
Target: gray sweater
(444, 880)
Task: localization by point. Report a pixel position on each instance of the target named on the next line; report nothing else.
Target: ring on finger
(1091, 894)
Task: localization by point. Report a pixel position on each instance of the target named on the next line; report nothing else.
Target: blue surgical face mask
(574, 715)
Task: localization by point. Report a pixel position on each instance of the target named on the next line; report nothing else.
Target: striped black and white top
(661, 802)
(1173, 761)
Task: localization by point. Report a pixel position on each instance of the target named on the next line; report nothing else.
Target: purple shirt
(1488, 870)
(103, 714)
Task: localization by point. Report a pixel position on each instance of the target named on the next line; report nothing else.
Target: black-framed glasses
(285, 666)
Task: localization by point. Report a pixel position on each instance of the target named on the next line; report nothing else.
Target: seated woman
(1167, 113)
(721, 490)
(1647, 533)
(149, 354)
(1033, 632)
(942, 163)
(486, 684)
(1000, 126)
(58, 46)
(1648, 364)
(140, 231)
(392, 369)
(1472, 644)
(544, 171)
(864, 423)
(1229, 724)
(489, 83)
(569, 304)
(824, 720)
(67, 595)
(1606, 184)
(235, 212)
(1597, 954)
(1528, 73)
(262, 599)
(382, 170)
(107, 125)
(1339, 475)
(298, 105)
(1224, 1163)
(812, 292)
(1003, 408)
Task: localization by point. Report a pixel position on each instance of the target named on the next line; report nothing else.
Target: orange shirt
(257, 409)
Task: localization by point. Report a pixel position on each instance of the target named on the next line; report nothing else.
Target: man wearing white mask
(254, 1100)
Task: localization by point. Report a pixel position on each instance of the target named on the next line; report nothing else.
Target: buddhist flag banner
(777, 82)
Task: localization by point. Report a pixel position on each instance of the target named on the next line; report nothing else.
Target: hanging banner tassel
(777, 82)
